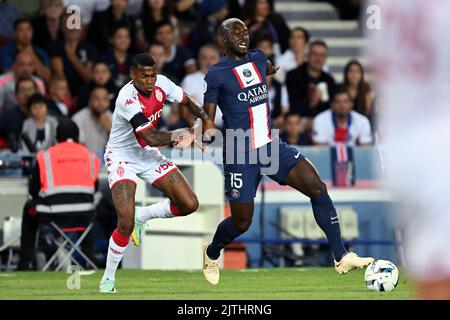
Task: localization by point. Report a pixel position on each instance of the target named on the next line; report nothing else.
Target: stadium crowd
(50, 70)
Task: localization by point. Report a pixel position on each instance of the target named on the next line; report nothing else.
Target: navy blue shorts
(242, 180)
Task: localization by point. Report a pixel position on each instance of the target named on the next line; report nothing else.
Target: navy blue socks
(326, 217)
(225, 234)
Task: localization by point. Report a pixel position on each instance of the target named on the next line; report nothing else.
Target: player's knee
(125, 226)
(190, 206)
(243, 225)
(317, 188)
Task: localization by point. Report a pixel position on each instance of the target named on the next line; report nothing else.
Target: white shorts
(150, 169)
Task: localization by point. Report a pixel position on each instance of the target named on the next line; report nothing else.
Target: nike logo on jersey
(247, 75)
(297, 155)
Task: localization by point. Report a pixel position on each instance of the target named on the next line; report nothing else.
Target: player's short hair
(67, 129)
(142, 60)
(340, 89)
(36, 99)
(301, 29)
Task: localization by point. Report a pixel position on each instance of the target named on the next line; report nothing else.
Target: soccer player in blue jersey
(237, 84)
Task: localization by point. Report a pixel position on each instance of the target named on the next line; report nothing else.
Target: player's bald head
(227, 25)
(234, 37)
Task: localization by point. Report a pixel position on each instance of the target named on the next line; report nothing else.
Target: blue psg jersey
(240, 90)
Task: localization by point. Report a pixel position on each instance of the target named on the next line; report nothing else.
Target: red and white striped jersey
(123, 139)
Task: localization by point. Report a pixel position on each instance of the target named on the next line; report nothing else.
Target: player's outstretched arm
(208, 123)
(271, 69)
(194, 107)
(206, 114)
(180, 138)
(156, 138)
(153, 137)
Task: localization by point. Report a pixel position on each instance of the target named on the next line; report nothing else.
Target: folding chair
(68, 247)
(11, 239)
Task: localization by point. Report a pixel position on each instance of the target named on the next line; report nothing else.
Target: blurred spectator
(179, 61)
(22, 41)
(310, 87)
(11, 120)
(60, 102)
(156, 50)
(193, 84)
(47, 25)
(9, 15)
(101, 77)
(341, 124)
(348, 9)
(61, 189)
(278, 95)
(357, 87)
(173, 120)
(264, 42)
(95, 121)
(185, 9)
(134, 8)
(154, 12)
(72, 58)
(278, 101)
(118, 57)
(39, 129)
(104, 24)
(261, 16)
(295, 55)
(294, 130)
(23, 67)
(205, 28)
(87, 8)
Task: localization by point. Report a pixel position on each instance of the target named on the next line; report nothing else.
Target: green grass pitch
(250, 284)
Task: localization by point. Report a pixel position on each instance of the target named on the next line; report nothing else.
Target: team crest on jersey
(129, 101)
(120, 171)
(247, 75)
(158, 95)
(235, 193)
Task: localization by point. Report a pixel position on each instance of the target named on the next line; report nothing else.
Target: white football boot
(210, 268)
(350, 262)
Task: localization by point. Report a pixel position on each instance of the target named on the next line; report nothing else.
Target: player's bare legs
(305, 178)
(180, 193)
(181, 201)
(123, 199)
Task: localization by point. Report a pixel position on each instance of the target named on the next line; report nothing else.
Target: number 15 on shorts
(236, 180)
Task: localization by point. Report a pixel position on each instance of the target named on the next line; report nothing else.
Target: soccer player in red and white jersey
(412, 69)
(132, 152)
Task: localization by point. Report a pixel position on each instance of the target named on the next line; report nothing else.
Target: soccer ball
(381, 275)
